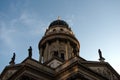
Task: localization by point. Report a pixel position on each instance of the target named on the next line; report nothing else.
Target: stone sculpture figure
(100, 56)
(12, 59)
(30, 52)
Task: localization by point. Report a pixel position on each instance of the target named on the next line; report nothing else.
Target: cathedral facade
(59, 60)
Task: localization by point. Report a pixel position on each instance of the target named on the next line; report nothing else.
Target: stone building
(59, 60)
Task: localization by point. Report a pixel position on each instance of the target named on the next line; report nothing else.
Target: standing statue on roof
(30, 52)
(101, 59)
(12, 59)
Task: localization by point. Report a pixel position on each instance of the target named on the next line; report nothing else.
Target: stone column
(40, 52)
(46, 52)
(67, 48)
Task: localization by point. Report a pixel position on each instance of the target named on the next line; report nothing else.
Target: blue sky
(95, 23)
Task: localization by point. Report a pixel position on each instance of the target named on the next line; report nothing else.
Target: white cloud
(35, 25)
(26, 19)
(5, 34)
(24, 25)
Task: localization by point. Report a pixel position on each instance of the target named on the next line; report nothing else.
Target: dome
(59, 22)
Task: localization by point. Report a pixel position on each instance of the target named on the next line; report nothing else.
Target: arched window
(62, 56)
(61, 29)
(56, 53)
(54, 30)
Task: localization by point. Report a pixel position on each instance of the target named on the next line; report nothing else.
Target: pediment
(9, 71)
(103, 68)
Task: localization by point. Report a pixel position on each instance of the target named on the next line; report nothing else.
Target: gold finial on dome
(58, 18)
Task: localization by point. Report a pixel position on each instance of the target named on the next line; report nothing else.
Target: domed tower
(58, 44)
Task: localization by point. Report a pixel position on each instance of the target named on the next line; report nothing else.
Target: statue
(12, 59)
(100, 56)
(30, 52)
